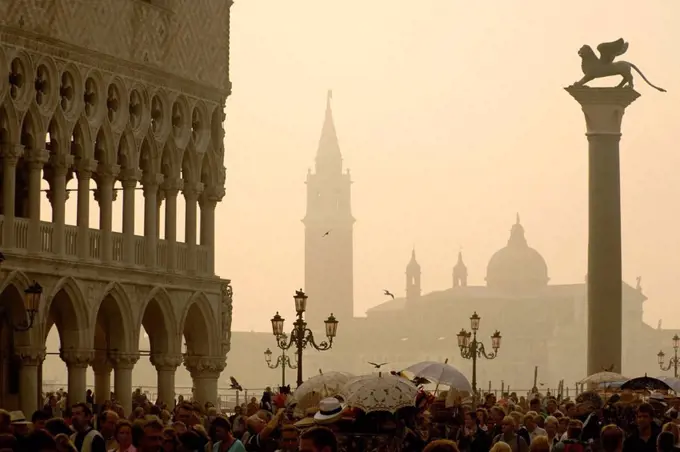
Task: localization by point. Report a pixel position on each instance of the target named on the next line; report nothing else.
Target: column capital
(77, 357)
(130, 177)
(151, 182)
(106, 173)
(603, 107)
(211, 196)
(60, 163)
(172, 185)
(101, 364)
(124, 360)
(11, 153)
(85, 168)
(37, 158)
(204, 366)
(30, 356)
(191, 190)
(166, 361)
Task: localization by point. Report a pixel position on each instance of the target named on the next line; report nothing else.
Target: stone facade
(113, 98)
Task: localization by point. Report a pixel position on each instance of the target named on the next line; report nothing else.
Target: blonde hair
(501, 446)
(552, 420)
(64, 441)
(518, 417)
(673, 428)
(441, 445)
(540, 444)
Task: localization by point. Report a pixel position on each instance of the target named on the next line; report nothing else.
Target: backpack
(575, 446)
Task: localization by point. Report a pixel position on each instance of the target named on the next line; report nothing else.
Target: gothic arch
(117, 311)
(32, 125)
(105, 152)
(189, 165)
(148, 156)
(12, 302)
(57, 129)
(66, 306)
(127, 150)
(208, 170)
(82, 130)
(157, 317)
(169, 166)
(8, 123)
(18, 279)
(198, 326)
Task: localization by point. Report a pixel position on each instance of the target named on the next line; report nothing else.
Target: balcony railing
(21, 239)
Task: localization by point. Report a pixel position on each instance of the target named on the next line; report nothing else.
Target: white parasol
(326, 384)
(441, 373)
(382, 392)
(603, 378)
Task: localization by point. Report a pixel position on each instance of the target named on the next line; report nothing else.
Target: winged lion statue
(605, 66)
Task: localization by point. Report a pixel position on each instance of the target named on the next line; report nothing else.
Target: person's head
(183, 413)
(508, 425)
(39, 418)
(611, 438)
(318, 439)
(551, 407)
(551, 426)
(170, 441)
(107, 423)
(645, 414)
(574, 429)
(540, 444)
(57, 425)
(41, 441)
(238, 410)
(482, 416)
(570, 409)
(123, 433)
(535, 405)
(471, 420)
(518, 418)
(220, 429)
(665, 442)
(179, 426)
(152, 439)
(674, 429)
(288, 442)
(501, 446)
(441, 445)
(563, 424)
(81, 416)
(497, 414)
(530, 420)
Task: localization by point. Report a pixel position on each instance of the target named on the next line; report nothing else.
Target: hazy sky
(452, 117)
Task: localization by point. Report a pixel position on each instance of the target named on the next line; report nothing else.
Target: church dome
(517, 266)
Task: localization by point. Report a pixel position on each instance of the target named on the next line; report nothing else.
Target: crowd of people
(272, 424)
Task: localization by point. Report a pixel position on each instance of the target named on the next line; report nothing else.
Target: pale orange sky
(451, 117)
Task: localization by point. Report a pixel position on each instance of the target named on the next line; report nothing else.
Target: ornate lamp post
(301, 336)
(674, 362)
(282, 361)
(471, 348)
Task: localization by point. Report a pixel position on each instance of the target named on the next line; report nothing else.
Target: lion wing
(610, 50)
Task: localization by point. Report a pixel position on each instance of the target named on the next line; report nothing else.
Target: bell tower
(413, 290)
(329, 242)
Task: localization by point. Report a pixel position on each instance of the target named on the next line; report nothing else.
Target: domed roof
(517, 266)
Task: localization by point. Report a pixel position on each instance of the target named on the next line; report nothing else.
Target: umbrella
(382, 392)
(603, 378)
(441, 373)
(673, 382)
(646, 383)
(326, 384)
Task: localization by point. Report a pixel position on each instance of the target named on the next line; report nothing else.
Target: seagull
(387, 292)
(327, 232)
(235, 384)
(377, 366)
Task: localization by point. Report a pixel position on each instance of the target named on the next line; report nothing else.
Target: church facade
(543, 324)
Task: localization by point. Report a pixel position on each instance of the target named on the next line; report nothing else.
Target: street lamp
(471, 348)
(32, 298)
(674, 362)
(282, 361)
(301, 336)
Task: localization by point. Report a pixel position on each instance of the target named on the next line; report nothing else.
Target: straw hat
(330, 410)
(305, 423)
(18, 417)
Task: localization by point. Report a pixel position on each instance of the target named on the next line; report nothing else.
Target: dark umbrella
(646, 383)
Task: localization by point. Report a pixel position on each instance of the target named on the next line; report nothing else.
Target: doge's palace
(106, 100)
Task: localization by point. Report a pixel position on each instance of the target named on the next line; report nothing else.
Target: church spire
(413, 278)
(328, 156)
(460, 272)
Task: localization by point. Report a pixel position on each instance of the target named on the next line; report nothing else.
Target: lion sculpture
(605, 66)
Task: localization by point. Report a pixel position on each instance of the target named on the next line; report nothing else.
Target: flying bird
(377, 366)
(327, 232)
(235, 384)
(387, 292)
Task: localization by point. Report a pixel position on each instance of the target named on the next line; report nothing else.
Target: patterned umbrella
(603, 378)
(441, 373)
(325, 384)
(381, 392)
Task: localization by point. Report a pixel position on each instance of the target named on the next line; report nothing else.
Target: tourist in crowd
(509, 436)
(123, 437)
(471, 438)
(85, 438)
(643, 438)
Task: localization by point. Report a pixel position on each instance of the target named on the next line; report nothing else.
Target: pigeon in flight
(235, 384)
(387, 292)
(327, 232)
(377, 366)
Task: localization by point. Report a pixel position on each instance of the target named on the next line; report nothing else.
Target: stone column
(84, 172)
(31, 359)
(77, 362)
(105, 178)
(160, 197)
(101, 366)
(36, 161)
(57, 170)
(150, 182)
(208, 202)
(122, 378)
(166, 365)
(603, 109)
(171, 187)
(129, 178)
(10, 156)
(205, 372)
(191, 192)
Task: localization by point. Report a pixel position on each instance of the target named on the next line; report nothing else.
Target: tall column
(166, 365)
(122, 379)
(129, 178)
(150, 182)
(159, 200)
(205, 372)
(105, 178)
(31, 359)
(36, 161)
(101, 366)
(191, 191)
(171, 187)
(603, 109)
(208, 202)
(10, 156)
(84, 172)
(57, 169)
(77, 362)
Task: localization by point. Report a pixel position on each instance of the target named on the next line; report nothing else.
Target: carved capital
(166, 361)
(129, 177)
(603, 107)
(59, 165)
(172, 185)
(77, 357)
(211, 196)
(101, 364)
(107, 173)
(124, 360)
(85, 168)
(11, 153)
(37, 158)
(204, 366)
(30, 356)
(151, 182)
(191, 190)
